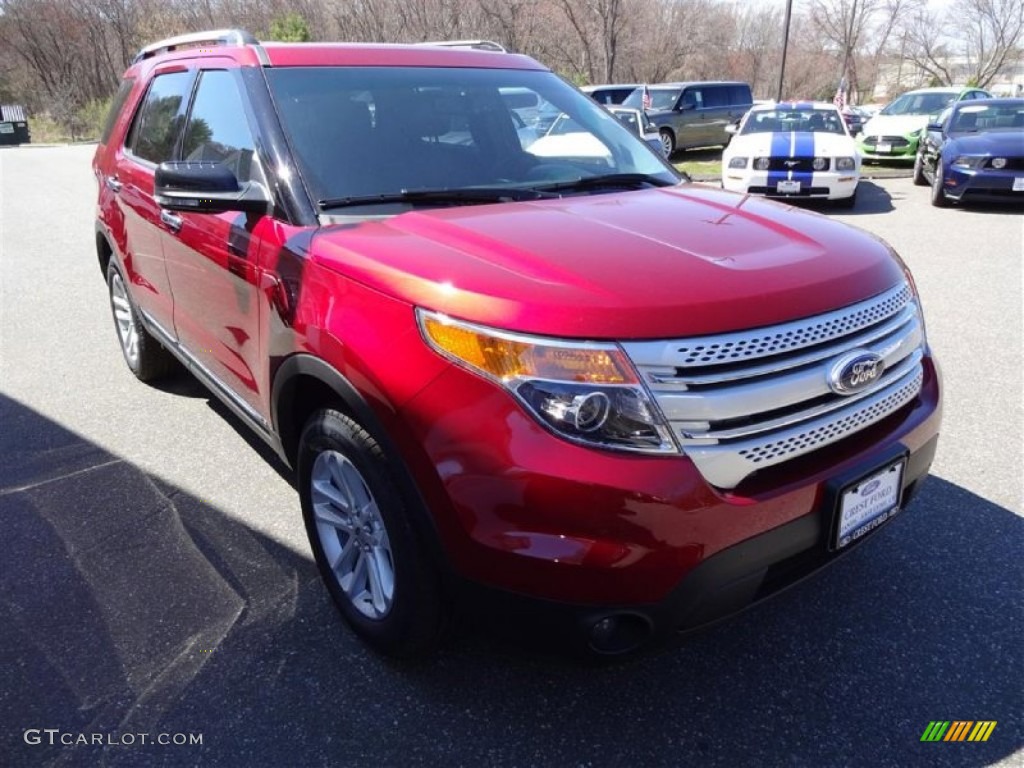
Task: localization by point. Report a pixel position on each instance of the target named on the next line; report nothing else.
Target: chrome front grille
(741, 402)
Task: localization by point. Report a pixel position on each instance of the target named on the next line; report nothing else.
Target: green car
(894, 133)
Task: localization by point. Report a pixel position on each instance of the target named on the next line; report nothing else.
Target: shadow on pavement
(130, 606)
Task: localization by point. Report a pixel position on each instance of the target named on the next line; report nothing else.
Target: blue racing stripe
(781, 143)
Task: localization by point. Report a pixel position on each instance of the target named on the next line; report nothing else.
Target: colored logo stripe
(935, 730)
(982, 730)
(958, 730)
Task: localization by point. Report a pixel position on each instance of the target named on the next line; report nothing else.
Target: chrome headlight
(845, 164)
(819, 163)
(968, 161)
(761, 164)
(738, 162)
(586, 392)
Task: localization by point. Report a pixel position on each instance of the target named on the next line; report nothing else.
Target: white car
(796, 149)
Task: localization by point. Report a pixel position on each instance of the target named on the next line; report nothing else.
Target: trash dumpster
(13, 125)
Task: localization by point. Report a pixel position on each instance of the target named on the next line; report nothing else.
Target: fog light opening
(620, 633)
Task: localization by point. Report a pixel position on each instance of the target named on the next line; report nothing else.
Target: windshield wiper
(464, 195)
(607, 180)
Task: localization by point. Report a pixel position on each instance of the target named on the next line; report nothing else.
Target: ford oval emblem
(855, 371)
(870, 488)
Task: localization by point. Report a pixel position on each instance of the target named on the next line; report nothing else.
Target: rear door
(212, 259)
(152, 138)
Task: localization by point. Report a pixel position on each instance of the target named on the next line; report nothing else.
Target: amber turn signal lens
(508, 356)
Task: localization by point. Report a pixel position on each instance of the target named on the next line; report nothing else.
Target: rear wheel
(939, 199)
(366, 549)
(145, 357)
(919, 178)
(668, 142)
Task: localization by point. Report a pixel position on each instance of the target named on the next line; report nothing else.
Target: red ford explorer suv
(567, 376)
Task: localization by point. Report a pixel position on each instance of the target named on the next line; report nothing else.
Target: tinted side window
(693, 97)
(217, 130)
(116, 105)
(716, 96)
(158, 122)
(739, 94)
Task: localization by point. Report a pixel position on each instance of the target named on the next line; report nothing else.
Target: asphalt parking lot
(156, 578)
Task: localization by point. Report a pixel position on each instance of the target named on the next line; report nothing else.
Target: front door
(213, 259)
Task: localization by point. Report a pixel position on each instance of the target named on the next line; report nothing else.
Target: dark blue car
(975, 151)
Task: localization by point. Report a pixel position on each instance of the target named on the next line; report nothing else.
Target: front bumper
(898, 153)
(986, 184)
(824, 185)
(525, 512)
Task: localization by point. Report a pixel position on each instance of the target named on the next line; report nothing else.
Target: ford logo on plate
(856, 371)
(870, 488)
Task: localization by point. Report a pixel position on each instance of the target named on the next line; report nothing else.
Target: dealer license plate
(1018, 184)
(869, 503)
(883, 148)
(788, 188)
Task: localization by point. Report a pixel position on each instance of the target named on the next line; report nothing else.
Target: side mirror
(934, 128)
(732, 128)
(205, 187)
(654, 142)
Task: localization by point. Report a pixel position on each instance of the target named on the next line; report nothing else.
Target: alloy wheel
(352, 534)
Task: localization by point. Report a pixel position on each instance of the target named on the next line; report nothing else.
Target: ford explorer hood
(650, 263)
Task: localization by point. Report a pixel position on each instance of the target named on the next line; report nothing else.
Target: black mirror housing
(205, 187)
(934, 127)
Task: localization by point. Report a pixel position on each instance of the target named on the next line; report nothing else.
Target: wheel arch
(305, 384)
(104, 250)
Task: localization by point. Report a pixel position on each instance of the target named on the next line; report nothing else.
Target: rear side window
(116, 105)
(716, 96)
(159, 120)
(217, 130)
(739, 94)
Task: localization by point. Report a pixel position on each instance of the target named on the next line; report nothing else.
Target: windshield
(784, 120)
(661, 98)
(360, 132)
(920, 104)
(974, 118)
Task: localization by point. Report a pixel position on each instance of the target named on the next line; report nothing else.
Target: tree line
(65, 57)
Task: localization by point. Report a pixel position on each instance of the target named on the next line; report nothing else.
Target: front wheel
(668, 142)
(939, 199)
(919, 178)
(365, 547)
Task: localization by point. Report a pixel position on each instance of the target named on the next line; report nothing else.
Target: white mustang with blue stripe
(793, 149)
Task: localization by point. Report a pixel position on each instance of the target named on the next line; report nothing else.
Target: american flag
(840, 98)
(646, 101)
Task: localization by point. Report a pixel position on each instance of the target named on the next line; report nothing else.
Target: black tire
(939, 199)
(846, 202)
(919, 177)
(415, 617)
(668, 142)
(147, 359)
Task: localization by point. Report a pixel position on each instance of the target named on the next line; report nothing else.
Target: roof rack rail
(480, 45)
(212, 37)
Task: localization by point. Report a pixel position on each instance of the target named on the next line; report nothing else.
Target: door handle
(113, 184)
(170, 220)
